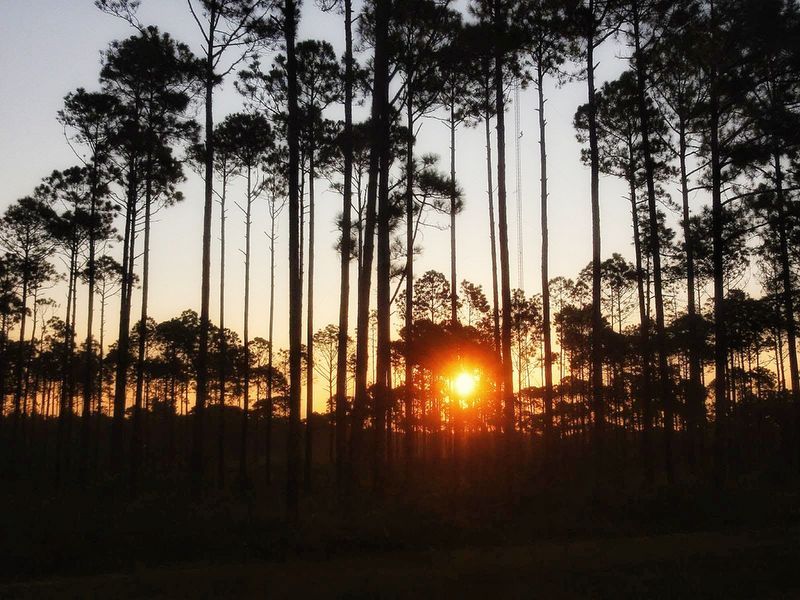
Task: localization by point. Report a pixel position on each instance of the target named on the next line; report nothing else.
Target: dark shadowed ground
(441, 537)
(745, 564)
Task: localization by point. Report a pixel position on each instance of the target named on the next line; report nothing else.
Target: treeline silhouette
(664, 368)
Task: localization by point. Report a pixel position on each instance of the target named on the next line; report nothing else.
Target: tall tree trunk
(383, 367)
(246, 333)
(365, 274)
(66, 392)
(88, 368)
(598, 404)
(223, 340)
(655, 249)
(505, 285)
(720, 329)
(492, 239)
(121, 376)
(137, 437)
(409, 316)
(198, 433)
(100, 371)
(344, 296)
(19, 370)
(310, 322)
(696, 392)
(788, 298)
(548, 348)
(644, 330)
(453, 283)
(270, 330)
(295, 283)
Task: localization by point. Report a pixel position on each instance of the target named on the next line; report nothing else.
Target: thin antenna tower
(518, 135)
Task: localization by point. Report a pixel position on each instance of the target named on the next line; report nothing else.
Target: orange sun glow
(464, 384)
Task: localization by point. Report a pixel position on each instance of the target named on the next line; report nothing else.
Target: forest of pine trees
(676, 365)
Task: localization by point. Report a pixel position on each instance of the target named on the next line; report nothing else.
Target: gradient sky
(50, 47)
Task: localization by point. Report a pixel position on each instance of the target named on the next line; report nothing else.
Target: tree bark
(644, 330)
(720, 329)
(121, 379)
(88, 373)
(696, 392)
(344, 296)
(548, 348)
(295, 283)
(598, 403)
(492, 237)
(137, 437)
(198, 433)
(383, 367)
(453, 282)
(246, 333)
(788, 298)
(505, 285)
(365, 274)
(271, 324)
(223, 340)
(310, 322)
(655, 249)
(409, 316)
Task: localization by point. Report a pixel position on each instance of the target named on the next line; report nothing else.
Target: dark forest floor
(744, 564)
(556, 541)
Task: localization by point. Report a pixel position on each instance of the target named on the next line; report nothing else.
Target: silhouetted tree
(25, 235)
(250, 137)
(89, 118)
(592, 23)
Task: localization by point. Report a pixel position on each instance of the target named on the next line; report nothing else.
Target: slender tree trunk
(137, 437)
(384, 366)
(696, 392)
(598, 404)
(198, 435)
(121, 377)
(492, 239)
(64, 443)
(644, 331)
(246, 333)
(268, 433)
(720, 329)
(453, 282)
(548, 347)
(3, 363)
(71, 354)
(779, 360)
(88, 373)
(223, 340)
(270, 353)
(365, 274)
(295, 283)
(29, 367)
(310, 323)
(344, 296)
(655, 249)
(788, 298)
(505, 285)
(409, 316)
(19, 370)
(100, 372)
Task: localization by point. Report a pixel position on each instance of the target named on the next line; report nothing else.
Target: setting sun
(464, 384)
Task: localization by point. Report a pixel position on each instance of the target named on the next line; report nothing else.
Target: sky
(50, 47)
